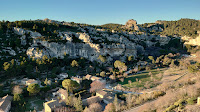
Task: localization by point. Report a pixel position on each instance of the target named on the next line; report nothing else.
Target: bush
(45, 89)
(170, 108)
(191, 101)
(149, 67)
(179, 102)
(192, 68)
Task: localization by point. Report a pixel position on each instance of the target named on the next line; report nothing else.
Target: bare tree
(109, 108)
(95, 107)
(97, 85)
(17, 90)
(129, 100)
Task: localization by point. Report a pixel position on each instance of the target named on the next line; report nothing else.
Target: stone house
(90, 100)
(106, 97)
(88, 77)
(31, 81)
(101, 94)
(61, 93)
(50, 106)
(93, 78)
(24, 80)
(5, 103)
(63, 76)
(27, 81)
(77, 79)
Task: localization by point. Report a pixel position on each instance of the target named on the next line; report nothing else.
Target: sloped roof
(4, 102)
(53, 104)
(62, 91)
(31, 80)
(76, 78)
(101, 92)
(95, 78)
(88, 76)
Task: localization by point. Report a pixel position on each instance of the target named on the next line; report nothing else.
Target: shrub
(170, 108)
(191, 101)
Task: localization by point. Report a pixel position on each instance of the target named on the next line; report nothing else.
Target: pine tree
(46, 82)
(116, 104)
(128, 100)
(78, 104)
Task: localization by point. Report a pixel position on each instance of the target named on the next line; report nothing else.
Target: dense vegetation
(181, 27)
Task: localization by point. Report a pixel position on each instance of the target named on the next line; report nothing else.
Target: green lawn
(32, 102)
(144, 77)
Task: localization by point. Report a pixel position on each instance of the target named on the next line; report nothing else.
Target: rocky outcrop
(112, 45)
(79, 50)
(21, 31)
(154, 28)
(132, 24)
(192, 41)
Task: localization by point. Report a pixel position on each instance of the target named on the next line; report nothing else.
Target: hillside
(137, 65)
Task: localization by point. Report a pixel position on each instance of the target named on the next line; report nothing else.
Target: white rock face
(132, 24)
(120, 45)
(21, 31)
(80, 50)
(191, 41)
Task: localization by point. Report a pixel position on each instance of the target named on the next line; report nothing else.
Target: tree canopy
(69, 84)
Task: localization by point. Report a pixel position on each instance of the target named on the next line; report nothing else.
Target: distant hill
(181, 27)
(113, 26)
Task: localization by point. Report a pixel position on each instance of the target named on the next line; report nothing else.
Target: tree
(86, 84)
(69, 84)
(130, 58)
(78, 104)
(102, 58)
(18, 101)
(109, 108)
(128, 100)
(44, 29)
(35, 27)
(16, 98)
(116, 103)
(74, 63)
(17, 90)
(152, 59)
(95, 107)
(46, 82)
(69, 100)
(6, 66)
(96, 85)
(103, 74)
(120, 65)
(33, 89)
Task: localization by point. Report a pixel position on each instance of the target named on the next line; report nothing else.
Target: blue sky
(99, 11)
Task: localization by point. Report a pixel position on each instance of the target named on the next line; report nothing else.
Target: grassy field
(143, 77)
(32, 102)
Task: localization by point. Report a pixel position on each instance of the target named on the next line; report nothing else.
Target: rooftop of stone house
(4, 102)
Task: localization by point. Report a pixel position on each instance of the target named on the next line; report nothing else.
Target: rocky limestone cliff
(119, 46)
(21, 31)
(192, 41)
(132, 24)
